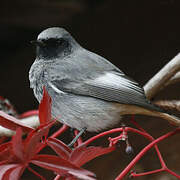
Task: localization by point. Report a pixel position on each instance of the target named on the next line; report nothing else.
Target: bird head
(53, 43)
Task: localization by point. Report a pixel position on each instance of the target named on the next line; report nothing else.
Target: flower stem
(143, 151)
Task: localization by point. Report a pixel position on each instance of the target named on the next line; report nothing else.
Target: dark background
(140, 37)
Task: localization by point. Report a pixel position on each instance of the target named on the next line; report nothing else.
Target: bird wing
(111, 86)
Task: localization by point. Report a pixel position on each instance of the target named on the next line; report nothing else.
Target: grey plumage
(85, 88)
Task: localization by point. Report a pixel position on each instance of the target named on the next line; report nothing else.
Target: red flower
(80, 155)
(16, 155)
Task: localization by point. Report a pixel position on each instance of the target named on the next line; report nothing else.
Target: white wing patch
(115, 81)
(55, 88)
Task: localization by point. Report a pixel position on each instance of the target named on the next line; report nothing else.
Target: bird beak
(38, 43)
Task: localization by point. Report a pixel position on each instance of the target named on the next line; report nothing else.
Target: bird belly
(81, 111)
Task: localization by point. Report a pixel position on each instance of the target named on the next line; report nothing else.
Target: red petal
(32, 142)
(5, 146)
(45, 108)
(12, 123)
(5, 168)
(83, 154)
(59, 165)
(58, 177)
(5, 151)
(59, 147)
(17, 145)
(14, 173)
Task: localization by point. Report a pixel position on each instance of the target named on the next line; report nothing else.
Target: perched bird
(87, 91)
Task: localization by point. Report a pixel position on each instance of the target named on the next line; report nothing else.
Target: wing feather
(110, 86)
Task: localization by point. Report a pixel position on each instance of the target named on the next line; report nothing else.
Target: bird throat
(51, 52)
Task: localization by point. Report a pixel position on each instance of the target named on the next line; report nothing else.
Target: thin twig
(36, 173)
(143, 151)
(151, 139)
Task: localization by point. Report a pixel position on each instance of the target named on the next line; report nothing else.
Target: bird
(88, 92)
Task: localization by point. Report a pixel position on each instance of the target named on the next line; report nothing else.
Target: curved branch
(174, 79)
(172, 105)
(163, 77)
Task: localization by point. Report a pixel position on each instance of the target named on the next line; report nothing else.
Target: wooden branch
(174, 79)
(172, 105)
(159, 81)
